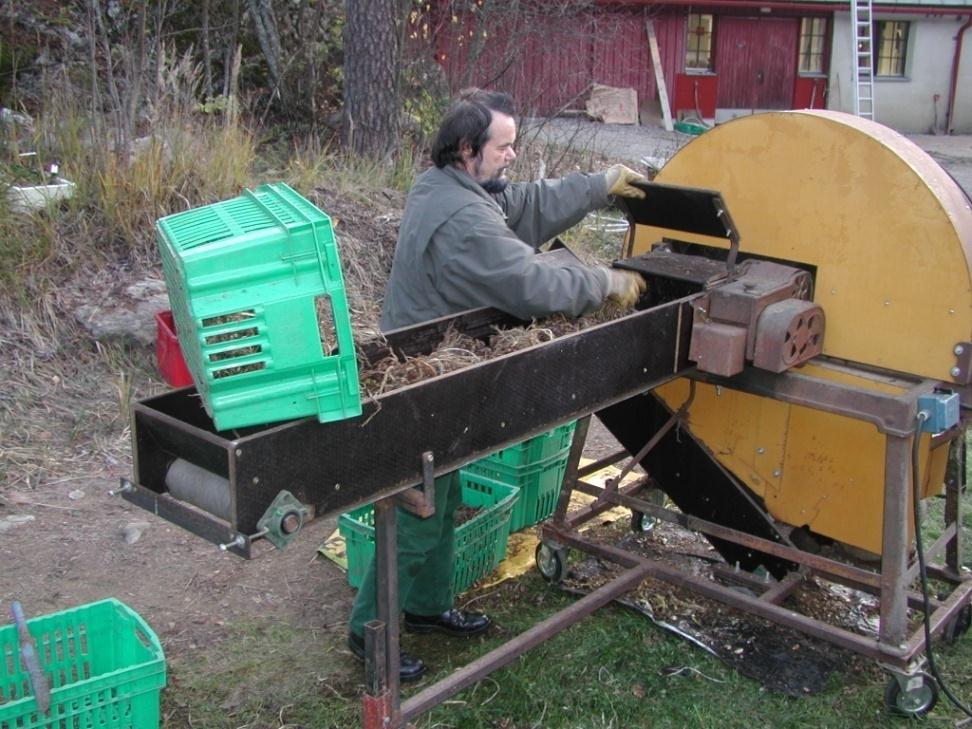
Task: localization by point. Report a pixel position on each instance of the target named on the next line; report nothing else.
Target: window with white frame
(891, 46)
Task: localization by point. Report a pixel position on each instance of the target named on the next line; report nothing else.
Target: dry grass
(457, 351)
(65, 398)
(174, 170)
(64, 402)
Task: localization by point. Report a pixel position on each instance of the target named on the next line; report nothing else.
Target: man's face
(488, 167)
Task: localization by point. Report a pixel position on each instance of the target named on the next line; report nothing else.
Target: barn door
(756, 62)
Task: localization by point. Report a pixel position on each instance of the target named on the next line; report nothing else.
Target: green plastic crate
(536, 467)
(259, 305)
(480, 542)
(104, 664)
(534, 450)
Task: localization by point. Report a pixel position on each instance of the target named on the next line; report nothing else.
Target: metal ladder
(863, 74)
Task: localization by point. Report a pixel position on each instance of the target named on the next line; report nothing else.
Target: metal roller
(199, 487)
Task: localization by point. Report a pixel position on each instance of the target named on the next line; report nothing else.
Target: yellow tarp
(521, 546)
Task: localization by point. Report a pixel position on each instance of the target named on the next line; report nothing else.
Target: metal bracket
(676, 418)
(282, 520)
(962, 371)
(732, 233)
(421, 502)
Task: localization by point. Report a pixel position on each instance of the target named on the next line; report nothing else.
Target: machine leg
(954, 486)
(376, 711)
(573, 464)
(381, 706)
(895, 543)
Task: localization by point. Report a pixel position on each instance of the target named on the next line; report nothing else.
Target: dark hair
(467, 122)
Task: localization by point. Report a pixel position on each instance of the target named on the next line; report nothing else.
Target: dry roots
(457, 351)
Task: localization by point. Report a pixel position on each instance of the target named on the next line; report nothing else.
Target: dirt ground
(65, 541)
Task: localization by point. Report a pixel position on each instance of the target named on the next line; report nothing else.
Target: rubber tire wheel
(641, 522)
(958, 625)
(897, 702)
(551, 563)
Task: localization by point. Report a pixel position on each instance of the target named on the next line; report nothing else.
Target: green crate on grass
(259, 305)
(104, 664)
(536, 467)
(480, 542)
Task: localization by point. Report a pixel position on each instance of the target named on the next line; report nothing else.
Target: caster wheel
(642, 522)
(958, 625)
(917, 700)
(551, 562)
(646, 522)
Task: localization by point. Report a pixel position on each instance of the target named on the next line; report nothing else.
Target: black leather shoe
(453, 622)
(410, 668)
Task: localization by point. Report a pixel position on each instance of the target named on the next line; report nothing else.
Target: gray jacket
(460, 248)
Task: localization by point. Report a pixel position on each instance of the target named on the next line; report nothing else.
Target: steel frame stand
(382, 707)
(895, 649)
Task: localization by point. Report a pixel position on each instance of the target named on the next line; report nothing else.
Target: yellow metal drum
(889, 235)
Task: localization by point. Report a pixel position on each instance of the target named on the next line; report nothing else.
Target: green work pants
(426, 553)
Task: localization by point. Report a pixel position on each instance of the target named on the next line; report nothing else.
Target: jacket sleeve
(541, 210)
(477, 261)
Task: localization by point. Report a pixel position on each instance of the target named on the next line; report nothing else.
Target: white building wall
(909, 104)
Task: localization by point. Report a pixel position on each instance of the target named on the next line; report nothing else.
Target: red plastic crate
(168, 353)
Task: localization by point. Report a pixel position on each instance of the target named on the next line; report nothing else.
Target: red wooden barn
(718, 58)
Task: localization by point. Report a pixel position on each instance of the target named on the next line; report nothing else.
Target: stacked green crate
(480, 542)
(536, 467)
(258, 299)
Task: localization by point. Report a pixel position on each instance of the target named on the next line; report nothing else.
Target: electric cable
(920, 550)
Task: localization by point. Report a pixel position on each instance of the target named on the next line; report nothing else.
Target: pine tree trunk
(371, 59)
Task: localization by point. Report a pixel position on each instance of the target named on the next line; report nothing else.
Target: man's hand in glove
(619, 179)
(625, 287)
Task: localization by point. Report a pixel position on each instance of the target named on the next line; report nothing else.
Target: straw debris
(457, 351)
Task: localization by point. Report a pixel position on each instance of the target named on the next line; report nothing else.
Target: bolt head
(290, 524)
(958, 349)
(955, 372)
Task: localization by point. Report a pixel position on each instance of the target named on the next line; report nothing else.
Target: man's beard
(495, 186)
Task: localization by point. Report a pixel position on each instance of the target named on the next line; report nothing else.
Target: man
(468, 238)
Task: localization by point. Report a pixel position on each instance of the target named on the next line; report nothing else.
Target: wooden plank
(659, 75)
